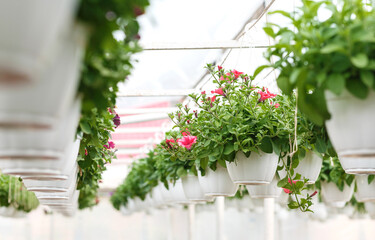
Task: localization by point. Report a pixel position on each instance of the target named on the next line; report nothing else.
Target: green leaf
(269, 31)
(222, 163)
(259, 69)
(370, 178)
(266, 145)
(283, 182)
(320, 145)
(294, 75)
(293, 205)
(360, 60)
(85, 127)
(367, 78)
(357, 88)
(336, 83)
(285, 85)
(332, 47)
(228, 149)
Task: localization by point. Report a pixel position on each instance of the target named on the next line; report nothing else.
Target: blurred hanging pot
(165, 193)
(30, 31)
(270, 190)
(217, 183)
(28, 151)
(309, 167)
(253, 170)
(125, 211)
(177, 193)
(193, 190)
(157, 197)
(55, 201)
(370, 208)
(52, 185)
(365, 192)
(41, 105)
(355, 145)
(56, 195)
(332, 195)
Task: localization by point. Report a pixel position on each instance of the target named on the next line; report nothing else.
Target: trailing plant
(14, 194)
(107, 62)
(315, 55)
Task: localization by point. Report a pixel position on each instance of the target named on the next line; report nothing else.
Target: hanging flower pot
(332, 195)
(42, 105)
(370, 208)
(217, 183)
(253, 170)
(365, 192)
(165, 193)
(157, 197)
(25, 152)
(125, 211)
(59, 201)
(177, 193)
(30, 32)
(193, 190)
(270, 190)
(355, 145)
(47, 194)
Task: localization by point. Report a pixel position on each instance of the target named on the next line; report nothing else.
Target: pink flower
(228, 74)
(86, 152)
(221, 78)
(219, 67)
(236, 73)
(290, 182)
(110, 145)
(213, 99)
(277, 105)
(117, 120)
(204, 92)
(170, 140)
(187, 141)
(219, 91)
(313, 194)
(185, 133)
(265, 95)
(287, 190)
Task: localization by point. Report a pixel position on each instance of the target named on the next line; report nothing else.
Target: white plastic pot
(370, 208)
(25, 152)
(255, 170)
(56, 201)
(270, 190)
(193, 190)
(125, 211)
(29, 34)
(217, 183)
(51, 193)
(157, 197)
(177, 193)
(42, 105)
(332, 195)
(52, 185)
(165, 193)
(365, 192)
(355, 145)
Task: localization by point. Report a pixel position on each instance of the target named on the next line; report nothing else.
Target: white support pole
(231, 44)
(191, 222)
(170, 225)
(220, 208)
(269, 218)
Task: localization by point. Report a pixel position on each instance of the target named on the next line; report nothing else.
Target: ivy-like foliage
(316, 55)
(107, 62)
(13, 194)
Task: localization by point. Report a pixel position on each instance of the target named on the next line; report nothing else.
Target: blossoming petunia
(265, 94)
(110, 145)
(117, 120)
(219, 91)
(187, 141)
(213, 99)
(277, 105)
(204, 92)
(170, 140)
(290, 182)
(86, 152)
(219, 67)
(236, 73)
(187, 133)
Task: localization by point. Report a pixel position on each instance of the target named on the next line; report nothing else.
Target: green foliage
(13, 194)
(315, 56)
(107, 62)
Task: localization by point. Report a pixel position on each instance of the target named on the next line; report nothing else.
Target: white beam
(231, 44)
(156, 93)
(124, 111)
(143, 118)
(139, 130)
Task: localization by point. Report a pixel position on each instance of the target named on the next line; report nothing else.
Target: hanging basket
(270, 190)
(27, 152)
(192, 189)
(157, 197)
(56, 201)
(30, 31)
(253, 170)
(355, 145)
(177, 193)
(217, 183)
(42, 105)
(332, 195)
(365, 192)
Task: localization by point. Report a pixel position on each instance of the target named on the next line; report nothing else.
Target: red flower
(219, 91)
(236, 73)
(287, 190)
(185, 133)
(221, 78)
(277, 105)
(265, 95)
(188, 121)
(313, 194)
(117, 120)
(290, 182)
(110, 145)
(170, 140)
(86, 152)
(187, 141)
(213, 99)
(219, 67)
(204, 92)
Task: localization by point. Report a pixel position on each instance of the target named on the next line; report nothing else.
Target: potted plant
(365, 187)
(270, 190)
(330, 63)
(336, 186)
